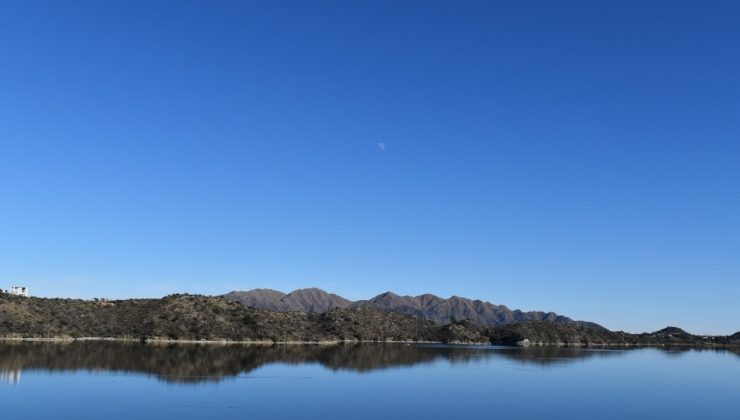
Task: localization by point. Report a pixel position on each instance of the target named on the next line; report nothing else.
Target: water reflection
(193, 363)
(10, 377)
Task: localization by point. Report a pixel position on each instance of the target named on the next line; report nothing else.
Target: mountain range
(440, 310)
(195, 317)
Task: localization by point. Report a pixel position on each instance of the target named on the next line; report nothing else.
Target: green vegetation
(549, 333)
(190, 317)
(193, 317)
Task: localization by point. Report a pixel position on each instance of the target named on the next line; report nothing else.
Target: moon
(381, 146)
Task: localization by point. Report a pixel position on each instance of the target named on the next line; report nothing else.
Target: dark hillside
(189, 317)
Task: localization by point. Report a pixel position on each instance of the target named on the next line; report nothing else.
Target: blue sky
(581, 157)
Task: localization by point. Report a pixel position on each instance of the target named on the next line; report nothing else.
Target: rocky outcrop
(523, 343)
(463, 332)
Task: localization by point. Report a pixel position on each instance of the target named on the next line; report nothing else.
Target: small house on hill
(18, 291)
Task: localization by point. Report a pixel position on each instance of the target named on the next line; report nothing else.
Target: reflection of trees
(212, 362)
(551, 355)
(202, 362)
(680, 351)
(733, 350)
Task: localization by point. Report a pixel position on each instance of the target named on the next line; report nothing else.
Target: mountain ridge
(428, 306)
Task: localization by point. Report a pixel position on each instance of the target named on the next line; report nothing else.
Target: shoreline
(187, 341)
(707, 346)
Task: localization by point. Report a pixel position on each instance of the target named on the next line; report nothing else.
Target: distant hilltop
(441, 311)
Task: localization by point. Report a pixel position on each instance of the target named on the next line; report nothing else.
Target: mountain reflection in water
(193, 363)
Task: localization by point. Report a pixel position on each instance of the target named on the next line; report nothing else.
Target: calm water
(125, 380)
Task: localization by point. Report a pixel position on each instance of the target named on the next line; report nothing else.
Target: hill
(549, 333)
(192, 317)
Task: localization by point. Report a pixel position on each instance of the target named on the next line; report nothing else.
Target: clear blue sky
(580, 157)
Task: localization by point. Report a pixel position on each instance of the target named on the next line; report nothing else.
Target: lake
(111, 380)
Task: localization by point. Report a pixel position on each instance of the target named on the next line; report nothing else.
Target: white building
(19, 291)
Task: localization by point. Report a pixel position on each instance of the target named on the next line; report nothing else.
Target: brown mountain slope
(302, 300)
(259, 298)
